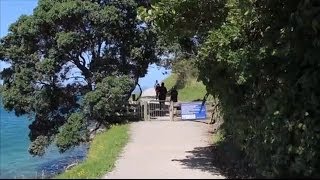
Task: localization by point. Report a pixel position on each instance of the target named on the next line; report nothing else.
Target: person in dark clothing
(162, 94)
(174, 95)
(157, 89)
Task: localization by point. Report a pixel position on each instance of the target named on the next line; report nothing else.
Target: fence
(166, 110)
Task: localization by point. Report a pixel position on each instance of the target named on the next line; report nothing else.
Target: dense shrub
(260, 58)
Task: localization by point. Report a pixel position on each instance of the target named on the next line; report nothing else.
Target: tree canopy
(260, 58)
(74, 62)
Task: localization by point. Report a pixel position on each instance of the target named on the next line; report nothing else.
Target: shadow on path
(221, 159)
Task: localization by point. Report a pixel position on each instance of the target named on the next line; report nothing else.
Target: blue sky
(11, 10)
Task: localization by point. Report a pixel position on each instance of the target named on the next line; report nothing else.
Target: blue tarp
(193, 110)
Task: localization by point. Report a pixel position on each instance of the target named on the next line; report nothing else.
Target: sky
(11, 10)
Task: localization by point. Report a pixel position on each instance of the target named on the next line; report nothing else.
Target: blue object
(193, 110)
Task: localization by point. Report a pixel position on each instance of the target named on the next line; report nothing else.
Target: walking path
(166, 149)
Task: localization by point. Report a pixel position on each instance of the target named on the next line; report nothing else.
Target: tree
(260, 59)
(182, 25)
(74, 62)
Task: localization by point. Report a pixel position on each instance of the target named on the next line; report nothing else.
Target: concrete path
(166, 149)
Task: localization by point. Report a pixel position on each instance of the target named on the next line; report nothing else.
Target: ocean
(15, 160)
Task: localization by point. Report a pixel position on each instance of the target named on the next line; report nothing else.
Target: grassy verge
(218, 137)
(104, 151)
(192, 89)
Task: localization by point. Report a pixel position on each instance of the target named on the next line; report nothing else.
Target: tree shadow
(222, 159)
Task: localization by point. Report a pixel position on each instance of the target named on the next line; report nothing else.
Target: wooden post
(145, 111)
(171, 111)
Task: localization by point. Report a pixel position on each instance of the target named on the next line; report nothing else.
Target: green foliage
(39, 144)
(262, 64)
(103, 153)
(71, 132)
(176, 22)
(218, 137)
(108, 99)
(184, 78)
(176, 18)
(191, 89)
(61, 51)
(185, 69)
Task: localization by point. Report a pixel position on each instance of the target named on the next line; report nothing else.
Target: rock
(71, 165)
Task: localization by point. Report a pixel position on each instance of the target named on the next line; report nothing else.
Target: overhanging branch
(83, 60)
(75, 77)
(140, 91)
(96, 128)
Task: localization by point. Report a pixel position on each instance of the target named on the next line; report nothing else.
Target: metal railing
(158, 108)
(167, 110)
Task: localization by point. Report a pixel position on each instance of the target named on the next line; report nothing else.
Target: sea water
(15, 160)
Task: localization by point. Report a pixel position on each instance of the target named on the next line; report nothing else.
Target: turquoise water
(15, 160)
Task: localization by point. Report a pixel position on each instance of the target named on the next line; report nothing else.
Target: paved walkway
(166, 149)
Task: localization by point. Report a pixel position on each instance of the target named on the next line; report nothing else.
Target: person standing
(174, 94)
(162, 94)
(157, 89)
(173, 99)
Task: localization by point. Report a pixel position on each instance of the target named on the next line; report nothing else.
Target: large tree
(74, 62)
(182, 25)
(260, 58)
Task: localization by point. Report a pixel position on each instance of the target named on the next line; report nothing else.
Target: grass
(170, 81)
(103, 153)
(191, 90)
(218, 137)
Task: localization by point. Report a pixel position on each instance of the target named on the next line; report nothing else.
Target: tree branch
(40, 82)
(136, 80)
(82, 67)
(75, 77)
(140, 91)
(93, 52)
(85, 72)
(99, 47)
(84, 61)
(96, 128)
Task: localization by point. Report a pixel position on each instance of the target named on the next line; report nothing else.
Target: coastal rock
(71, 165)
